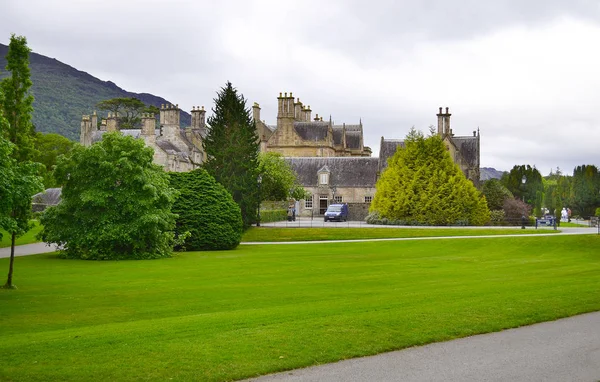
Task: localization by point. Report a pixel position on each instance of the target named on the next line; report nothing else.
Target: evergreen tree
(585, 190)
(232, 148)
(422, 185)
(207, 211)
(18, 175)
(18, 103)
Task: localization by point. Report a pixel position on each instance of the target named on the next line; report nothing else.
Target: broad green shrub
(207, 211)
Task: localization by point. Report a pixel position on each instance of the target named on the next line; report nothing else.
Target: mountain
(487, 173)
(63, 94)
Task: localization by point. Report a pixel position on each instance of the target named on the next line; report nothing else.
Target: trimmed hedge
(207, 211)
(272, 216)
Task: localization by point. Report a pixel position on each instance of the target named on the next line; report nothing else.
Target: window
(308, 203)
(337, 199)
(368, 199)
(323, 178)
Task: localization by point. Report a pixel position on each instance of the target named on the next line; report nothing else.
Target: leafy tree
(17, 102)
(18, 183)
(232, 149)
(514, 210)
(207, 211)
(116, 204)
(422, 184)
(48, 148)
(585, 190)
(495, 194)
(127, 110)
(531, 191)
(279, 181)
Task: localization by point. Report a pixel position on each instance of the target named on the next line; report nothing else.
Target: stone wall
(358, 211)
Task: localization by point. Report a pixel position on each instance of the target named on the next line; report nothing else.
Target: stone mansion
(331, 161)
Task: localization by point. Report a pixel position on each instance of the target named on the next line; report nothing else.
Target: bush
(273, 215)
(598, 211)
(497, 217)
(207, 211)
(115, 203)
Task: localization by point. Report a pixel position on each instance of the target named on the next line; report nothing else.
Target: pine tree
(232, 148)
(422, 185)
(18, 103)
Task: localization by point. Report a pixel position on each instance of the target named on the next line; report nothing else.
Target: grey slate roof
(353, 128)
(353, 139)
(344, 171)
(312, 131)
(170, 148)
(337, 135)
(468, 148)
(387, 150)
(49, 197)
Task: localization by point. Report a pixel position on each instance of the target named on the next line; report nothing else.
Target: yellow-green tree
(422, 185)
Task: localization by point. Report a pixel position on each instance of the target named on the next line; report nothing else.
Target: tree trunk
(9, 284)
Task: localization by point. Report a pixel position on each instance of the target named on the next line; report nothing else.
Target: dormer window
(323, 176)
(323, 179)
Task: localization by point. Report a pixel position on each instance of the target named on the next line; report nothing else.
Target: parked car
(337, 212)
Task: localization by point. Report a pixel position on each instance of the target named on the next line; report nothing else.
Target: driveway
(562, 350)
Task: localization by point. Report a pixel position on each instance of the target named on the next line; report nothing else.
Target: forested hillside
(63, 94)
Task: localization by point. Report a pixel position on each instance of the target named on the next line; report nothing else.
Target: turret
(444, 123)
(298, 114)
(149, 128)
(198, 118)
(85, 137)
(112, 122)
(256, 112)
(94, 121)
(285, 106)
(169, 120)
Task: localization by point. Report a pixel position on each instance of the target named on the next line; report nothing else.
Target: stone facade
(296, 134)
(331, 161)
(175, 149)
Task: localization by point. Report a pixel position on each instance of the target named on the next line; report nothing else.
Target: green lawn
(275, 234)
(28, 238)
(258, 309)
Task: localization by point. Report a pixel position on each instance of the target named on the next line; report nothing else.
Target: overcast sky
(525, 72)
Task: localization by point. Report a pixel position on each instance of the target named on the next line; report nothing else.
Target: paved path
(563, 350)
(37, 248)
(27, 249)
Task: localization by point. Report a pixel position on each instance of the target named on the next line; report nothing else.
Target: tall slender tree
(18, 102)
(232, 148)
(18, 183)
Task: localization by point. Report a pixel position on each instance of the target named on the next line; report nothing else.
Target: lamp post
(523, 181)
(259, 181)
(333, 190)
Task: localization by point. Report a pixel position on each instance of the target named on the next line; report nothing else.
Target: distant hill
(63, 94)
(487, 173)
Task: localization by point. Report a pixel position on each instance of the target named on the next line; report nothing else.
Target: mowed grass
(27, 238)
(228, 315)
(276, 234)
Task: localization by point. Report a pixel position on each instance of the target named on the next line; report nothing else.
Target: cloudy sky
(525, 72)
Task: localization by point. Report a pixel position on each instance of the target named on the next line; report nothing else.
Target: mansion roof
(344, 171)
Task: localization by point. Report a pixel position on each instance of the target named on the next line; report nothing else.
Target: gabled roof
(344, 171)
(387, 150)
(467, 146)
